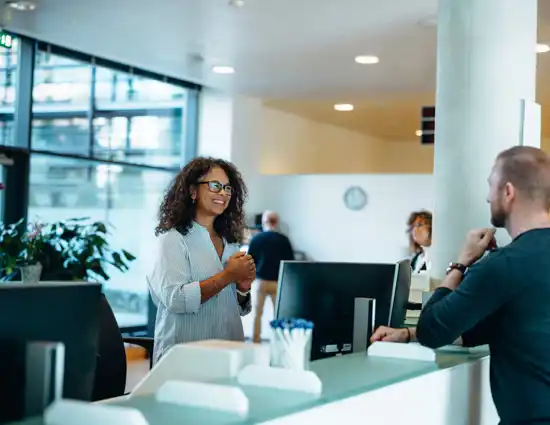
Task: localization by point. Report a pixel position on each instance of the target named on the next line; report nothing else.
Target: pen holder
(291, 343)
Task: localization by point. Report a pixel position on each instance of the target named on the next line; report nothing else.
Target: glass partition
(104, 140)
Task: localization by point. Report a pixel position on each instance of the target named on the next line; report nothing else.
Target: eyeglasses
(216, 187)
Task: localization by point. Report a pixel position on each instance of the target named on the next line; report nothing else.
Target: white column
(230, 128)
(486, 66)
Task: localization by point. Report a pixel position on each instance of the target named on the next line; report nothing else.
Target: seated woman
(420, 237)
(200, 281)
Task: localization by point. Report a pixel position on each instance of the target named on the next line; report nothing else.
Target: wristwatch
(243, 294)
(457, 266)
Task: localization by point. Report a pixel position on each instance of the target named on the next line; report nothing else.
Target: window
(106, 140)
(62, 188)
(61, 101)
(114, 87)
(60, 84)
(138, 120)
(125, 197)
(2, 182)
(62, 135)
(8, 93)
(134, 119)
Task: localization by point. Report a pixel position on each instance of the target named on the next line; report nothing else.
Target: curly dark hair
(415, 215)
(178, 210)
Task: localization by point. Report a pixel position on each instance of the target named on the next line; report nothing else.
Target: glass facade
(2, 179)
(104, 142)
(8, 74)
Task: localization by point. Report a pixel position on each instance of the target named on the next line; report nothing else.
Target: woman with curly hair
(200, 281)
(419, 229)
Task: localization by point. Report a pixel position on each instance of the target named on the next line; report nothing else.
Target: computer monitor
(61, 312)
(325, 293)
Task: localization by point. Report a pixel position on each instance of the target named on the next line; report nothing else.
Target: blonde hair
(423, 215)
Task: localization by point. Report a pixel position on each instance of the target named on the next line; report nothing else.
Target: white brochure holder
(250, 353)
(70, 412)
(281, 379)
(201, 362)
(396, 350)
(223, 398)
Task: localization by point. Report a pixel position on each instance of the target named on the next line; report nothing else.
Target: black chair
(111, 369)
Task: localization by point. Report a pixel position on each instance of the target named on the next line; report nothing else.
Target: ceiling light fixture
(236, 3)
(343, 107)
(418, 133)
(22, 5)
(543, 48)
(223, 69)
(366, 59)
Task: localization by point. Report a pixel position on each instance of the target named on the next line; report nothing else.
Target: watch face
(355, 198)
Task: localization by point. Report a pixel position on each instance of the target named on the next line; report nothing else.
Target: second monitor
(325, 293)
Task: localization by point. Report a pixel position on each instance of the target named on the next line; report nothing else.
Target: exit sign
(6, 40)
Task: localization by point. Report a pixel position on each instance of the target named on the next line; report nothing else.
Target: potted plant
(78, 249)
(69, 250)
(11, 248)
(33, 245)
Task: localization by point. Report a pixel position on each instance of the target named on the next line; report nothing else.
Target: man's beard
(498, 216)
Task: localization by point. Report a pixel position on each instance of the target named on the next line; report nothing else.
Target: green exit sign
(6, 40)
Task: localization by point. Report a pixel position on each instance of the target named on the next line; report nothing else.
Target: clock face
(355, 198)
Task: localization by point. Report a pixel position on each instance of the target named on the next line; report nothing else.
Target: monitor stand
(363, 323)
(32, 378)
(45, 363)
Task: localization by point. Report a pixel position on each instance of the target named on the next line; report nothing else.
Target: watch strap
(457, 266)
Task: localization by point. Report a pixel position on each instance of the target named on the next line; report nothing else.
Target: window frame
(16, 193)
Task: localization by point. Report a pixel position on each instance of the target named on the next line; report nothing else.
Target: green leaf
(127, 255)
(100, 227)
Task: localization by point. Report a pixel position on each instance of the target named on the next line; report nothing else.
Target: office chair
(111, 368)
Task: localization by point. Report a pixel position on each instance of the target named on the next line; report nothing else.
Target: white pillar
(486, 66)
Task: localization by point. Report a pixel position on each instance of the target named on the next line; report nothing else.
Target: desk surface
(342, 377)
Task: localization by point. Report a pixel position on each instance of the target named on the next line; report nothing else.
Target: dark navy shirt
(503, 301)
(268, 250)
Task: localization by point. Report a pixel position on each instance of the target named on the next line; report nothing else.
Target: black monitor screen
(67, 313)
(325, 294)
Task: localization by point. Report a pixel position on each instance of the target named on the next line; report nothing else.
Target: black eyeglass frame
(215, 186)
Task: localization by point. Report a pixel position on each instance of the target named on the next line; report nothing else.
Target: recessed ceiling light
(366, 59)
(236, 3)
(418, 133)
(22, 5)
(543, 48)
(343, 107)
(223, 69)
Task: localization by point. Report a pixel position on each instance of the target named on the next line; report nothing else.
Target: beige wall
(294, 145)
(291, 144)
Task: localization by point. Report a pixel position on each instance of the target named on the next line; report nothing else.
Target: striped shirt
(181, 263)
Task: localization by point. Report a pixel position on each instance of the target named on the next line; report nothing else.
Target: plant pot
(31, 273)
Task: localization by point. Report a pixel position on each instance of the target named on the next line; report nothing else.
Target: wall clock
(355, 198)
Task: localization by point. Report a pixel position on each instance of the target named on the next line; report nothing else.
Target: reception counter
(357, 389)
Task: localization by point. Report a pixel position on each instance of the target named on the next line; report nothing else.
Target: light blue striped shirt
(181, 263)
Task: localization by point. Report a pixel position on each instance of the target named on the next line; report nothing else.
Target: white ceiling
(280, 48)
(297, 51)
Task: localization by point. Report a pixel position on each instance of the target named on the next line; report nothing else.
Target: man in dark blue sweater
(268, 249)
(503, 298)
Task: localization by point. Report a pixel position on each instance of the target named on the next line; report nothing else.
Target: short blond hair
(528, 170)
